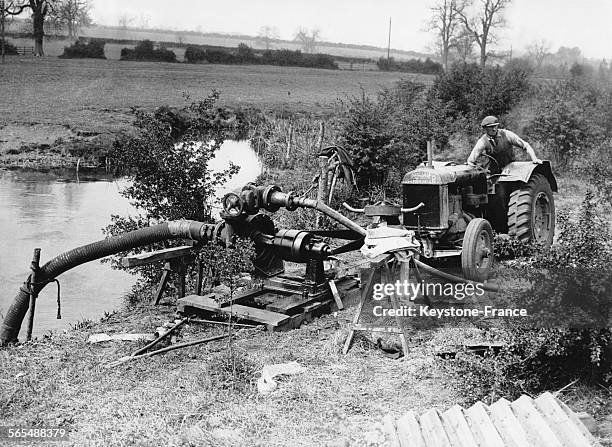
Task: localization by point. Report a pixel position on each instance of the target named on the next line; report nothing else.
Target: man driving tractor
(497, 144)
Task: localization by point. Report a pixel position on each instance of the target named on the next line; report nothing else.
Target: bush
(574, 275)
(388, 136)
(412, 66)
(93, 49)
(194, 54)
(571, 120)
(469, 91)
(145, 51)
(168, 163)
(10, 49)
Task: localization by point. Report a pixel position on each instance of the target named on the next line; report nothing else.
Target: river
(55, 212)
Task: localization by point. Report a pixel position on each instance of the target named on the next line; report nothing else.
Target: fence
(25, 51)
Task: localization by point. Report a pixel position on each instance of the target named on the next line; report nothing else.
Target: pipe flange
(249, 198)
(290, 203)
(267, 198)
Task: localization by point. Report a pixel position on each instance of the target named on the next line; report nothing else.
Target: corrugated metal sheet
(526, 422)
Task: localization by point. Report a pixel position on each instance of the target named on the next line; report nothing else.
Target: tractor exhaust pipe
(430, 145)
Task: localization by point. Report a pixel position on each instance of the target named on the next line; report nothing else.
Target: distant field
(97, 94)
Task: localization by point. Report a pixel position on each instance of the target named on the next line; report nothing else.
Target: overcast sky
(583, 23)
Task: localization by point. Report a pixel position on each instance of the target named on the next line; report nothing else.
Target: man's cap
(489, 121)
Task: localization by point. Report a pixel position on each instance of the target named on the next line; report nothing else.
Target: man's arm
(517, 141)
(479, 149)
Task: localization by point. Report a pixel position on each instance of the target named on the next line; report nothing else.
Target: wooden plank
(507, 425)
(204, 302)
(559, 421)
(154, 256)
(242, 296)
(291, 304)
(239, 311)
(409, 431)
(433, 430)
(578, 423)
(335, 294)
(538, 431)
(367, 291)
(457, 428)
(389, 427)
(482, 428)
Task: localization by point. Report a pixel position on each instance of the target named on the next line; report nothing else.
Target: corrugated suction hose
(145, 236)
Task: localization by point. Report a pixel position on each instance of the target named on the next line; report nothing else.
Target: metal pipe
(433, 271)
(414, 208)
(283, 199)
(353, 210)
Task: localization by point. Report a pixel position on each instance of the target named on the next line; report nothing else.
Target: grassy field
(96, 95)
(189, 397)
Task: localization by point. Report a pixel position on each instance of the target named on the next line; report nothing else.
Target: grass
(182, 398)
(96, 95)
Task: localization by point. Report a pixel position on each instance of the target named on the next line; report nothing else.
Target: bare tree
(7, 8)
(308, 40)
(125, 21)
(266, 35)
(463, 45)
(445, 23)
(72, 15)
(144, 21)
(484, 24)
(538, 51)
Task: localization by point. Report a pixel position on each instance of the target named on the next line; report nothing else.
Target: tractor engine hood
(445, 173)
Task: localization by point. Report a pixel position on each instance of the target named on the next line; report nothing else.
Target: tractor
(453, 209)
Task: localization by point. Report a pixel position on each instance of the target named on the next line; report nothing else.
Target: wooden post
(321, 136)
(289, 143)
(35, 266)
(322, 192)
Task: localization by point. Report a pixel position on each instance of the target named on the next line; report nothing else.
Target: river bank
(201, 396)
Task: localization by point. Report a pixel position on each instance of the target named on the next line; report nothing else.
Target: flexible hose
(90, 252)
(433, 271)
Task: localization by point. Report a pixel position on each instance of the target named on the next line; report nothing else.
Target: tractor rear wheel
(531, 212)
(477, 250)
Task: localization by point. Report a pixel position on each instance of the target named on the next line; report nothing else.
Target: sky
(586, 24)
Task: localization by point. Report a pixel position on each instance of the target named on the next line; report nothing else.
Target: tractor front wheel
(477, 250)
(531, 212)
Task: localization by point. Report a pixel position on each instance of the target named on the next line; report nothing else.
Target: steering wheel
(232, 204)
(494, 160)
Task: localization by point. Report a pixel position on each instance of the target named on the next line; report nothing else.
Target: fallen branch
(166, 349)
(161, 337)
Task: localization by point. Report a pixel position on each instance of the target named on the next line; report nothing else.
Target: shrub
(219, 57)
(412, 66)
(145, 51)
(575, 275)
(168, 163)
(567, 121)
(388, 136)
(10, 49)
(93, 49)
(245, 54)
(194, 54)
(470, 91)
